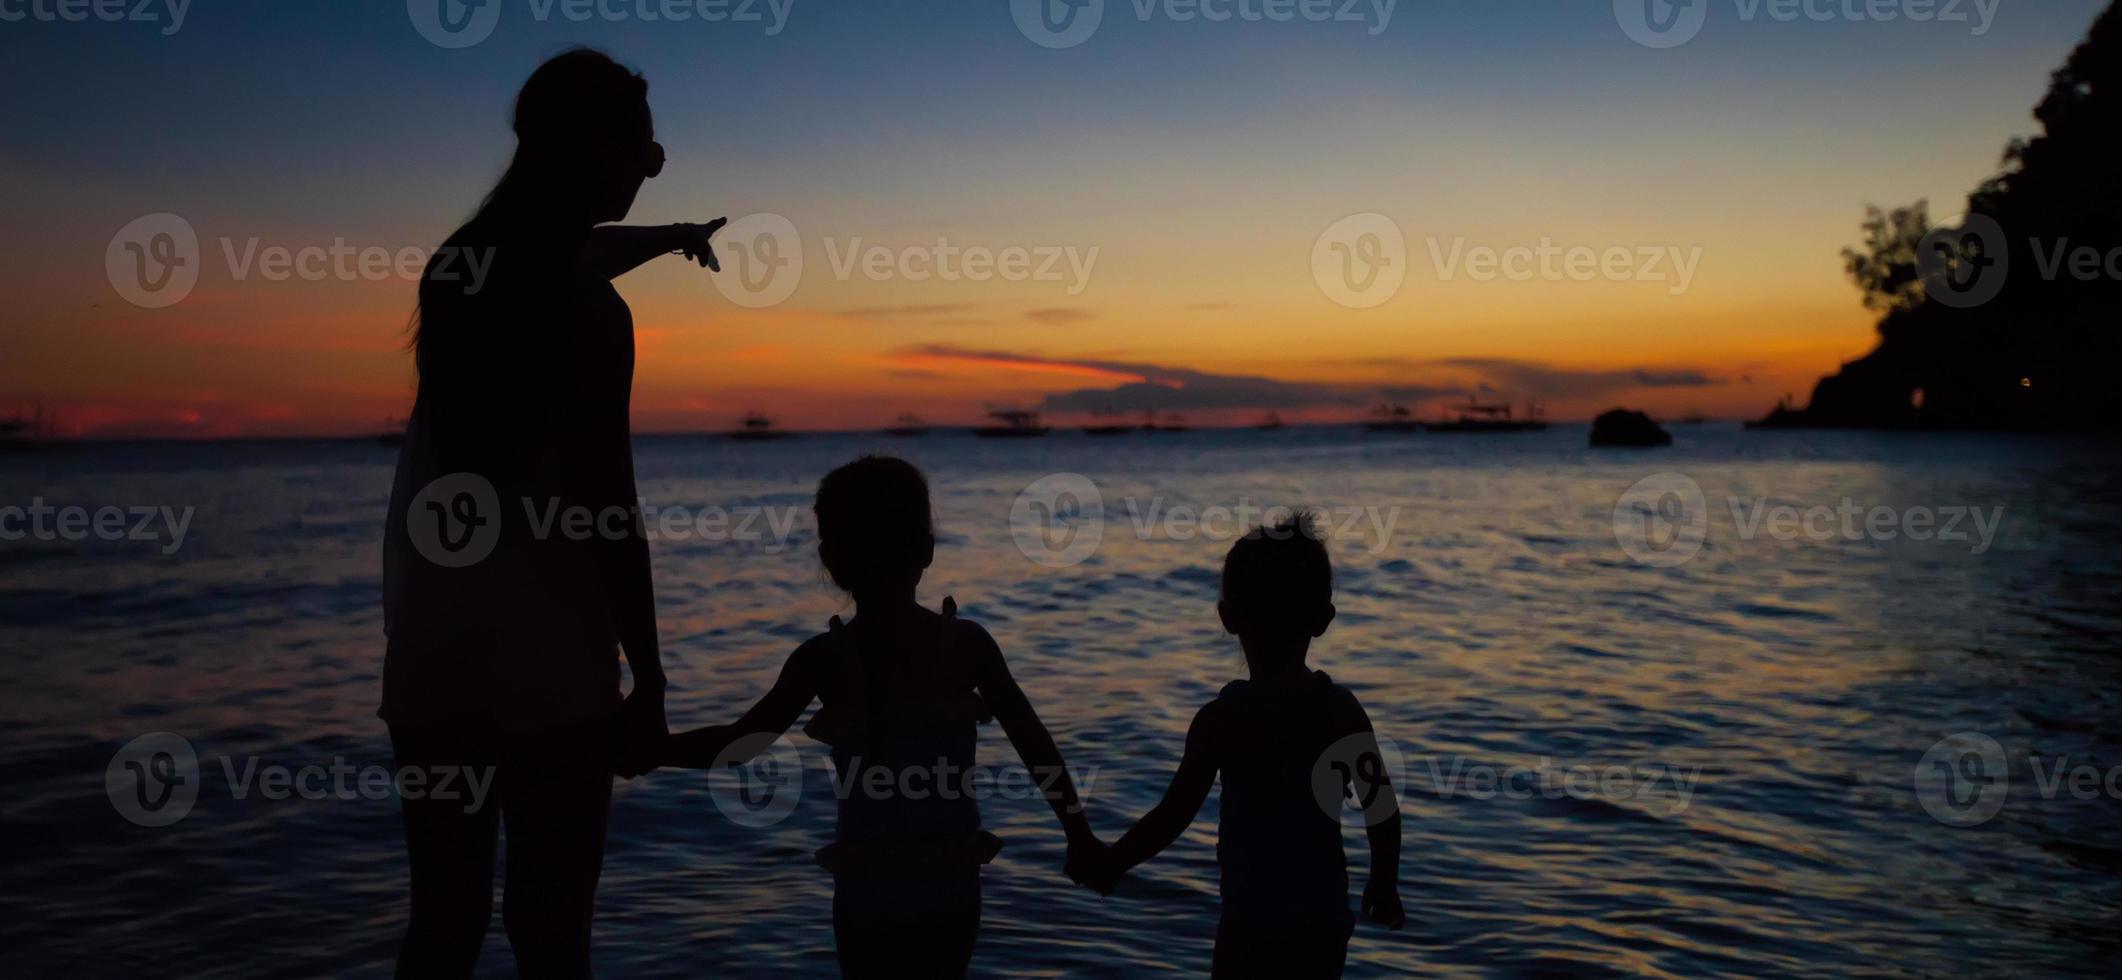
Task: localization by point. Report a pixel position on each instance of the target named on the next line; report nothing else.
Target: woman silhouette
(505, 619)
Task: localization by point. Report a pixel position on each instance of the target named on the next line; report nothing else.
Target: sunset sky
(1202, 160)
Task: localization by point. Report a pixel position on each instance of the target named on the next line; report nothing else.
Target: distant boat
(393, 433)
(20, 434)
(1392, 418)
(1016, 424)
(1477, 417)
(908, 425)
(1693, 418)
(1270, 423)
(758, 428)
(1172, 423)
(1107, 430)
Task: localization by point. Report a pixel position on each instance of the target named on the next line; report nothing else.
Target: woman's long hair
(572, 111)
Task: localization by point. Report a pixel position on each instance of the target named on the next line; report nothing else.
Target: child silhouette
(1289, 744)
(903, 690)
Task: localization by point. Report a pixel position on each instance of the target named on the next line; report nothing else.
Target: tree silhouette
(2042, 352)
(1885, 268)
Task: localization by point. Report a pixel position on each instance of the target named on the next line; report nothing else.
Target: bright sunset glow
(1201, 177)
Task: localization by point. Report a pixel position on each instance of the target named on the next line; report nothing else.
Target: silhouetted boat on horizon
(1108, 430)
(20, 434)
(1271, 423)
(393, 433)
(908, 424)
(1016, 424)
(1392, 418)
(756, 427)
(1476, 417)
(1173, 422)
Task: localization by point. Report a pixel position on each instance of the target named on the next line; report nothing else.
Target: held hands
(1091, 864)
(693, 242)
(1381, 903)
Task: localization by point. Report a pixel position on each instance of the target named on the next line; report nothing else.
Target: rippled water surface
(1783, 687)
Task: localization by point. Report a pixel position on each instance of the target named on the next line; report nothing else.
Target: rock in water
(1622, 427)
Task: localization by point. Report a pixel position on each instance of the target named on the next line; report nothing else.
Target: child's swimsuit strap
(846, 712)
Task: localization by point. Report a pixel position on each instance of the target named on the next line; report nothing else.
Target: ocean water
(1771, 701)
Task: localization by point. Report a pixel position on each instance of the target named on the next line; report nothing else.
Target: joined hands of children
(1091, 864)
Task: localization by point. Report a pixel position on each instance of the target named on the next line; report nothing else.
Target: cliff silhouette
(2005, 319)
